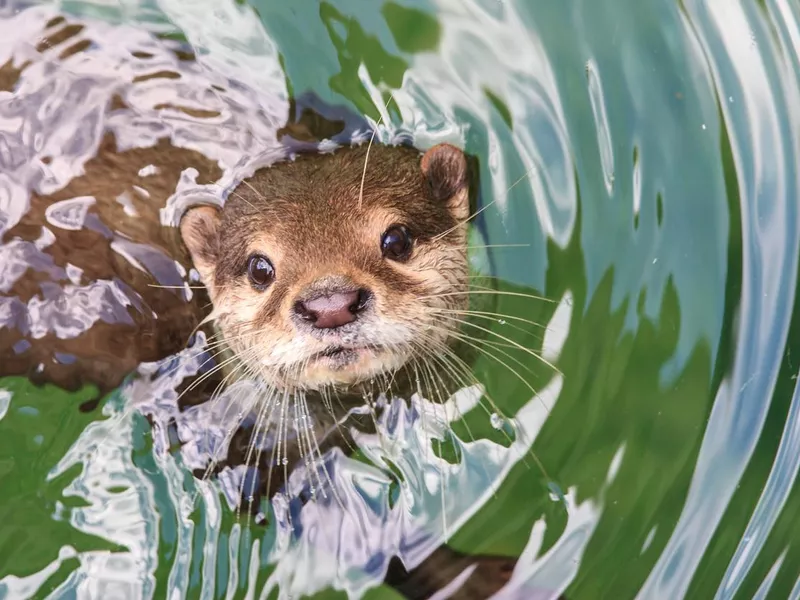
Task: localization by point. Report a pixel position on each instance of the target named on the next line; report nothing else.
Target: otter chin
(331, 270)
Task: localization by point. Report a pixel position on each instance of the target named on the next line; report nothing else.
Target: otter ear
(445, 167)
(200, 233)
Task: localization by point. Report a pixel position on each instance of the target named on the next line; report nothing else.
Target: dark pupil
(260, 270)
(396, 242)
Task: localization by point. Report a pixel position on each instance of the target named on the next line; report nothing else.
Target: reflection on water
(638, 165)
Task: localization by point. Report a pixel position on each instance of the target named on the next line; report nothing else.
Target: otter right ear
(445, 167)
(200, 233)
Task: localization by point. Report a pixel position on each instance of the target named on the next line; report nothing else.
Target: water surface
(638, 161)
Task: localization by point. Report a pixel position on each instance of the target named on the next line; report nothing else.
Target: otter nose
(332, 309)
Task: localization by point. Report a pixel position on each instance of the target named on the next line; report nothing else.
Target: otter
(337, 274)
(332, 271)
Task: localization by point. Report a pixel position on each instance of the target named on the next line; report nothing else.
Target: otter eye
(396, 243)
(260, 271)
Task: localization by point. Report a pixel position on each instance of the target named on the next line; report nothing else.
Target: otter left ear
(445, 167)
(200, 232)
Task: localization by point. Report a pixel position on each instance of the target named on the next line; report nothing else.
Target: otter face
(316, 282)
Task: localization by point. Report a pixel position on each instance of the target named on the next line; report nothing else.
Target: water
(638, 159)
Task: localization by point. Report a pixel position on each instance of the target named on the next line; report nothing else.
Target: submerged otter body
(318, 275)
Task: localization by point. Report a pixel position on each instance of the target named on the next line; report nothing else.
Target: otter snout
(332, 308)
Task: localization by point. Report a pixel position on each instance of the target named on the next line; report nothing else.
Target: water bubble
(556, 495)
(285, 461)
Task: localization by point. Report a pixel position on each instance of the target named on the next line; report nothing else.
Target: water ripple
(765, 156)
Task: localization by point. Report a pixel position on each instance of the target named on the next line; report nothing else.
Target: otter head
(324, 273)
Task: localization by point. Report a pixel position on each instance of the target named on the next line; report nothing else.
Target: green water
(659, 144)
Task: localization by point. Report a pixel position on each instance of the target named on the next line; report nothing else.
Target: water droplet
(556, 495)
(497, 421)
(704, 125)
(260, 518)
(501, 321)
(285, 461)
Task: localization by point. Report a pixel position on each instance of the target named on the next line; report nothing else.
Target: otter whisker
(324, 394)
(446, 351)
(493, 316)
(444, 423)
(479, 211)
(457, 378)
(176, 287)
(514, 344)
(315, 447)
(479, 292)
(422, 395)
(285, 460)
(275, 450)
(458, 361)
(204, 348)
(231, 430)
(522, 379)
(262, 423)
(245, 200)
(301, 426)
(472, 342)
(497, 246)
(210, 373)
(450, 315)
(366, 158)
(461, 381)
(133, 408)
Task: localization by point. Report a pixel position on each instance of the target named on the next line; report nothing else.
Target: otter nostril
(362, 297)
(303, 312)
